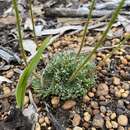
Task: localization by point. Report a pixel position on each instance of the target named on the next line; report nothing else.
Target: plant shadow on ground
(16, 121)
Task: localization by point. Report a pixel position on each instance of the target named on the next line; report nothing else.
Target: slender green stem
(34, 34)
(114, 16)
(18, 23)
(32, 19)
(86, 26)
(15, 4)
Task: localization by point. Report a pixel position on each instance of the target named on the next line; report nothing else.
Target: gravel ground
(104, 107)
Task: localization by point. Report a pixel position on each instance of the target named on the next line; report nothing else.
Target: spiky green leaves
(22, 84)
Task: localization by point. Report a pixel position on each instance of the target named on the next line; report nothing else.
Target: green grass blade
(18, 23)
(22, 84)
(86, 26)
(114, 16)
(32, 19)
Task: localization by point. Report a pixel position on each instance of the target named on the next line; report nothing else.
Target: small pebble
(102, 89)
(41, 119)
(56, 45)
(116, 81)
(128, 106)
(86, 98)
(85, 125)
(47, 120)
(125, 94)
(109, 112)
(37, 127)
(26, 100)
(68, 104)
(121, 128)
(76, 120)
(113, 116)
(93, 128)
(123, 120)
(90, 94)
(94, 90)
(68, 129)
(103, 109)
(77, 128)
(55, 101)
(90, 38)
(98, 121)
(6, 90)
(118, 93)
(44, 124)
(96, 111)
(115, 40)
(122, 90)
(124, 61)
(10, 74)
(49, 49)
(49, 128)
(125, 86)
(128, 57)
(87, 116)
(94, 104)
(114, 124)
(121, 93)
(108, 124)
(102, 98)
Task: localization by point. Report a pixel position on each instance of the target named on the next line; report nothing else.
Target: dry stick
(18, 23)
(114, 16)
(74, 13)
(86, 27)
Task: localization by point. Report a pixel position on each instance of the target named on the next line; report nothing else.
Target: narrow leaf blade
(21, 87)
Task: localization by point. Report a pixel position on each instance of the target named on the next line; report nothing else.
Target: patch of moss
(55, 77)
